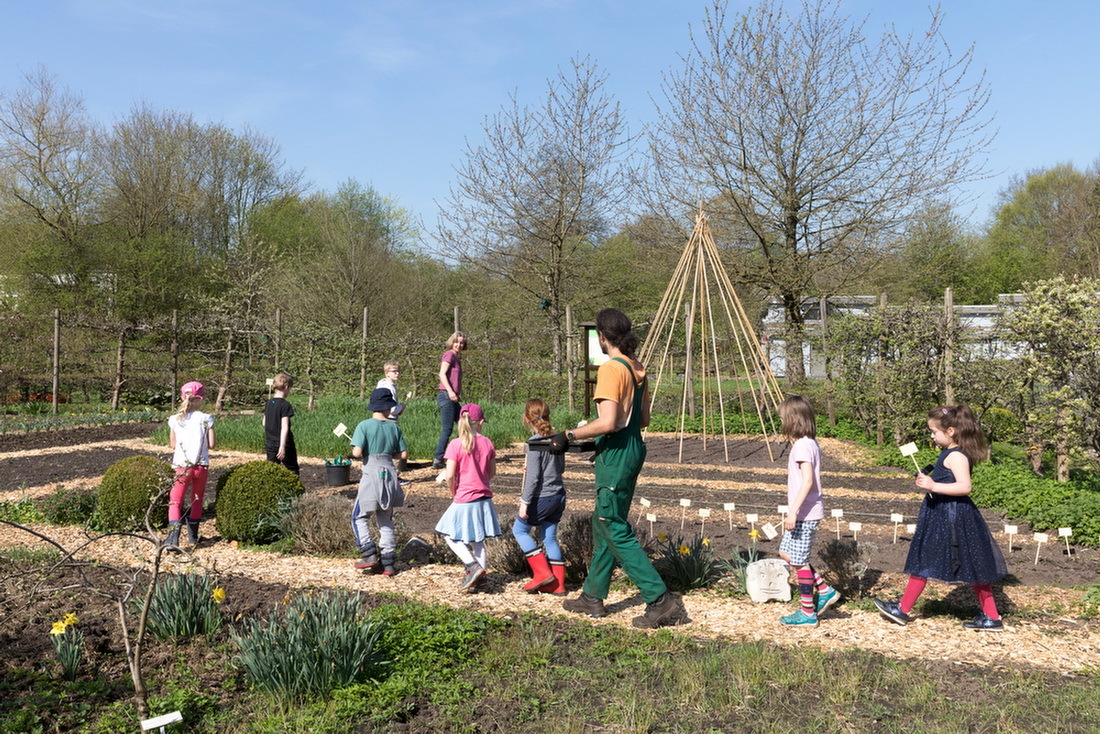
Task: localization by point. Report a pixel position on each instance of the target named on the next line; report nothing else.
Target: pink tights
(916, 585)
(188, 477)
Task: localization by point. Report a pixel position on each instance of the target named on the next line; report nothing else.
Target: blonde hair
(467, 431)
(188, 406)
(537, 415)
(282, 381)
(455, 337)
(796, 418)
(390, 364)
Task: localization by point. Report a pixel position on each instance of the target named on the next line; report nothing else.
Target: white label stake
(1040, 538)
(704, 513)
(752, 520)
(910, 449)
(855, 527)
(769, 531)
(684, 504)
(897, 518)
(729, 507)
(652, 519)
(341, 430)
(1011, 530)
(838, 513)
(1066, 533)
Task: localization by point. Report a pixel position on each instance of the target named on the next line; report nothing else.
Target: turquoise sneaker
(826, 600)
(799, 619)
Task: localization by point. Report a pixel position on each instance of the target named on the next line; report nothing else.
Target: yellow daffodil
(706, 542)
(70, 618)
(219, 595)
(58, 628)
(754, 534)
(662, 537)
(684, 550)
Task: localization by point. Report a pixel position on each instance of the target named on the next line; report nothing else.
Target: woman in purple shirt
(450, 390)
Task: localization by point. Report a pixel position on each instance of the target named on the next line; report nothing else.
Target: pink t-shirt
(454, 371)
(805, 449)
(472, 470)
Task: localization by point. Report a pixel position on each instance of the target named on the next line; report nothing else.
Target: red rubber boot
(540, 570)
(558, 589)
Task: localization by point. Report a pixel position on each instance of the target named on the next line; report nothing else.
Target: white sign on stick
(855, 527)
(652, 519)
(752, 519)
(910, 449)
(838, 513)
(645, 502)
(897, 517)
(911, 528)
(704, 512)
(1065, 533)
(341, 430)
(729, 506)
(1039, 538)
(685, 503)
(769, 530)
(783, 509)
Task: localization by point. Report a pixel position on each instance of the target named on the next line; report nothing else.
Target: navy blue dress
(952, 541)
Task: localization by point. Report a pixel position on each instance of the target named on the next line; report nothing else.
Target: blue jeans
(522, 532)
(448, 416)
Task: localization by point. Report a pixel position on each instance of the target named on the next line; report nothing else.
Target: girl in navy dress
(952, 542)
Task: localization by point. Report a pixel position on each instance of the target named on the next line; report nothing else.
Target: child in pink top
(471, 517)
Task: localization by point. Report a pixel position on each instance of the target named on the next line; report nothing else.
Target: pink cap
(474, 410)
(192, 389)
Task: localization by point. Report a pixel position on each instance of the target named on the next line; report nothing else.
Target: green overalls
(619, 460)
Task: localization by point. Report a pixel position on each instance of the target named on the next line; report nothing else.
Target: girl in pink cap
(191, 436)
(471, 517)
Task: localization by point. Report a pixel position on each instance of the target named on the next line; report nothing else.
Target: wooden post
(120, 365)
(56, 357)
(363, 358)
(570, 368)
(689, 383)
(880, 375)
(458, 322)
(174, 350)
(830, 405)
(278, 335)
(949, 348)
(227, 370)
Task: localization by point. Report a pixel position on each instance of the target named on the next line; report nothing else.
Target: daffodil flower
(662, 537)
(219, 595)
(754, 534)
(70, 618)
(706, 542)
(684, 550)
(58, 628)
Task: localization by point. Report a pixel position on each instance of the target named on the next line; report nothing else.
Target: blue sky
(387, 91)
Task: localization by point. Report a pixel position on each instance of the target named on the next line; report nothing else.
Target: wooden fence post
(880, 373)
(569, 366)
(458, 323)
(56, 357)
(278, 335)
(949, 348)
(830, 404)
(363, 358)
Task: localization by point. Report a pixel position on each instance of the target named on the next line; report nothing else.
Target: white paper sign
(1011, 529)
(704, 512)
(783, 509)
(651, 517)
(729, 506)
(855, 527)
(911, 527)
(897, 517)
(271, 382)
(838, 512)
(1041, 537)
(645, 502)
(341, 430)
(1065, 532)
(908, 449)
(754, 518)
(769, 530)
(685, 503)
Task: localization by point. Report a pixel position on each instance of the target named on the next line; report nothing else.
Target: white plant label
(271, 382)
(838, 512)
(729, 506)
(1011, 529)
(855, 527)
(704, 512)
(685, 503)
(341, 430)
(651, 517)
(908, 449)
(1065, 532)
(783, 509)
(769, 531)
(1041, 538)
(752, 519)
(897, 517)
(911, 528)
(645, 502)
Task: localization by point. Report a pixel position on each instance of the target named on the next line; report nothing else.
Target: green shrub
(685, 566)
(319, 643)
(21, 511)
(247, 495)
(184, 605)
(737, 567)
(128, 488)
(68, 506)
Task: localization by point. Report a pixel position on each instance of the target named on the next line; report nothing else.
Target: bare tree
(542, 188)
(815, 142)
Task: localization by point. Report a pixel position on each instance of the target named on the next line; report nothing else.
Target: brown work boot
(585, 604)
(667, 609)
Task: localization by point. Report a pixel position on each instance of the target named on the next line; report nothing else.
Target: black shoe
(892, 611)
(585, 604)
(667, 609)
(439, 464)
(984, 624)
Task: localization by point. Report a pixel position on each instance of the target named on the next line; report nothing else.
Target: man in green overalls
(623, 410)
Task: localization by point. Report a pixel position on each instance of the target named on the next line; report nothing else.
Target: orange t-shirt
(615, 381)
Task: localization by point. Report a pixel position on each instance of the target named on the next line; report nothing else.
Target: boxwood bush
(128, 487)
(246, 496)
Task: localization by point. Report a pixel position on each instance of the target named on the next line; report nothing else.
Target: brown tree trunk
(120, 365)
(227, 371)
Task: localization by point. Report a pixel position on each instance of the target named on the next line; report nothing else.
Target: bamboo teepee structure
(701, 331)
